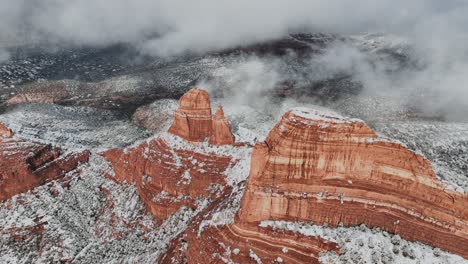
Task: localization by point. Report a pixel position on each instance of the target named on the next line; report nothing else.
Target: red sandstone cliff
(25, 165)
(171, 173)
(241, 242)
(328, 169)
(313, 167)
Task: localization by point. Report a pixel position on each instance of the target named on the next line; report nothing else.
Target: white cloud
(437, 29)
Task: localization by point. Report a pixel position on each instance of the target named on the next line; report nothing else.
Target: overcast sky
(165, 27)
(437, 29)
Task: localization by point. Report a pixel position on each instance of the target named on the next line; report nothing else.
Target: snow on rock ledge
(333, 170)
(25, 165)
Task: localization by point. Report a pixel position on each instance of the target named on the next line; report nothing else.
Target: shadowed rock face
(324, 168)
(25, 165)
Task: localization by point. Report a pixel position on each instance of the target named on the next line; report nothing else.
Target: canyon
(314, 167)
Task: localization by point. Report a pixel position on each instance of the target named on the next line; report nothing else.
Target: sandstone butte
(324, 168)
(25, 165)
(193, 120)
(169, 176)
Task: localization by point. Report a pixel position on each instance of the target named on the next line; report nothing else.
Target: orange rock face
(25, 165)
(313, 167)
(169, 177)
(221, 130)
(168, 171)
(192, 121)
(241, 242)
(327, 169)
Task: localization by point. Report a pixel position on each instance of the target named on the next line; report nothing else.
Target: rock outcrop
(5, 132)
(221, 129)
(192, 121)
(170, 172)
(326, 169)
(313, 167)
(226, 240)
(25, 165)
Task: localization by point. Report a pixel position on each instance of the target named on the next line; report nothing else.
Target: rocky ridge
(313, 167)
(25, 165)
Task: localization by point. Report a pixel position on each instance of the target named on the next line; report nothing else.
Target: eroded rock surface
(170, 172)
(25, 165)
(192, 121)
(5, 132)
(326, 169)
(221, 129)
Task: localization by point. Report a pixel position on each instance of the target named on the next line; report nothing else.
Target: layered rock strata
(25, 165)
(235, 241)
(326, 169)
(169, 171)
(168, 175)
(193, 120)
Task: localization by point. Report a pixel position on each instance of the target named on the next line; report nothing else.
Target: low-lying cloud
(436, 30)
(171, 27)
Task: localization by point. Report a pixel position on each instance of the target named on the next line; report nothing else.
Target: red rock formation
(192, 121)
(167, 176)
(327, 169)
(5, 132)
(170, 174)
(25, 165)
(242, 242)
(313, 167)
(221, 129)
